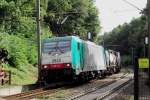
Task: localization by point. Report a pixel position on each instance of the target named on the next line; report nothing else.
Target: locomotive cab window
(57, 46)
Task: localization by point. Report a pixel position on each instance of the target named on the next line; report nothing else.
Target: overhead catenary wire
(124, 10)
(132, 5)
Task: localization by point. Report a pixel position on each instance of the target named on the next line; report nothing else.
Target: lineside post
(9, 77)
(38, 38)
(136, 79)
(148, 32)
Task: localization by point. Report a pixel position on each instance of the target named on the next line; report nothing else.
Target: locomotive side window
(78, 46)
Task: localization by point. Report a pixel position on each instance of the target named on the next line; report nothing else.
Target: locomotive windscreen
(56, 46)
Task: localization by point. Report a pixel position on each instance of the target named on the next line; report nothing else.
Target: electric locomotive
(70, 57)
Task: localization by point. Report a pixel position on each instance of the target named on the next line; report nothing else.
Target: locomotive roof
(61, 38)
(69, 38)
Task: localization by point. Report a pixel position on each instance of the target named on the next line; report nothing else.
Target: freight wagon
(113, 61)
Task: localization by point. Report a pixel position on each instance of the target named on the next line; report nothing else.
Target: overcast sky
(115, 12)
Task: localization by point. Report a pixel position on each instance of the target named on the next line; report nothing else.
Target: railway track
(56, 88)
(82, 96)
(113, 91)
(40, 91)
(79, 91)
(115, 94)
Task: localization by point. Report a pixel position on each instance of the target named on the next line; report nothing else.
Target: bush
(20, 53)
(21, 57)
(126, 60)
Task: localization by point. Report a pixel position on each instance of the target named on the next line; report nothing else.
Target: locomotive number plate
(56, 60)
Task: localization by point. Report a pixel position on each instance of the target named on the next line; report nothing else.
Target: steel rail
(53, 89)
(108, 93)
(95, 88)
(43, 90)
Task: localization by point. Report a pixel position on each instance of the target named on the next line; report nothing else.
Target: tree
(82, 16)
(128, 36)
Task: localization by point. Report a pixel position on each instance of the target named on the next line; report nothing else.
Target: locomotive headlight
(68, 65)
(45, 66)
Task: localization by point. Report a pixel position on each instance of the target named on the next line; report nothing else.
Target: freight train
(70, 57)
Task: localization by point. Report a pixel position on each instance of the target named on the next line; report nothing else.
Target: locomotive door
(81, 53)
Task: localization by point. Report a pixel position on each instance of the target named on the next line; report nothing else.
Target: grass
(26, 76)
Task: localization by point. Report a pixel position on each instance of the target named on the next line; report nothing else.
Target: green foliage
(19, 51)
(27, 27)
(23, 78)
(126, 60)
(22, 53)
(45, 31)
(9, 16)
(82, 17)
(126, 37)
(17, 16)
